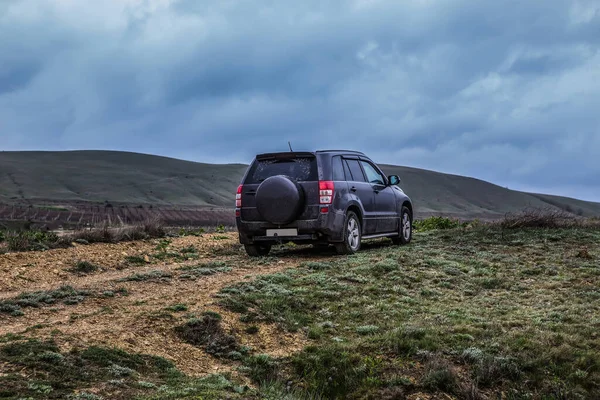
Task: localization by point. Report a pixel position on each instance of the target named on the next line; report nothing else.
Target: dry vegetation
(468, 310)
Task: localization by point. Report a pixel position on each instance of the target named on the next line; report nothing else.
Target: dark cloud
(504, 91)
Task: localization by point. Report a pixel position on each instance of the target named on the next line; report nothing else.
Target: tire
(279, 200)
(405, 229)
(257, 250)
(352, 235)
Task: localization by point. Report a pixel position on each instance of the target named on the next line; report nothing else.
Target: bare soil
(139, 321)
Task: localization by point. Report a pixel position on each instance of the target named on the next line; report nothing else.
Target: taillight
(326, 192)
(238, 197)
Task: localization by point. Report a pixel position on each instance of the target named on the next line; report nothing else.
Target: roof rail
(340, 151)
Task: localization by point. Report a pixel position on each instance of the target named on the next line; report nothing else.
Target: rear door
(385, 199)
(357, 183)
(300, 167)
(338, 174)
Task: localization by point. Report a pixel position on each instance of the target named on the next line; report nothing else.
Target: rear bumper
(325, 228)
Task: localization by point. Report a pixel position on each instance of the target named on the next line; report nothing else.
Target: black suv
(327, 197)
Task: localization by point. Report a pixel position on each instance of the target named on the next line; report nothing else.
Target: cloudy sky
(506, 91)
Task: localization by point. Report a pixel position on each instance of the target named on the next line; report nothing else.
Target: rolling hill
(112, 176)
(38, 178)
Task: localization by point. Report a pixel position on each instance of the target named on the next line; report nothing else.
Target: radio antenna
(289, 144)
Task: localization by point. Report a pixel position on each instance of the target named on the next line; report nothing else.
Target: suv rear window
(299, 169)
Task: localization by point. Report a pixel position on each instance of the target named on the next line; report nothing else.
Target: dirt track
(139, 322)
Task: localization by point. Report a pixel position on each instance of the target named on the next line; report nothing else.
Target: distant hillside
(139, 179)
(99, 176)
(435, 192)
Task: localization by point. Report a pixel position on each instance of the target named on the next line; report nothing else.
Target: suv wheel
(352, 235)
(257, 250)
(405, 230)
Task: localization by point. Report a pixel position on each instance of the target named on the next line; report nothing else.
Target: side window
(347, 173)
(373, 176)
(356, 171)
(338, 169)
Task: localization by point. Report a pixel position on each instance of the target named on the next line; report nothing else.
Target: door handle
(353, 189)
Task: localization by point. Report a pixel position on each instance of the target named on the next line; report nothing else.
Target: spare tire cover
(279, 199)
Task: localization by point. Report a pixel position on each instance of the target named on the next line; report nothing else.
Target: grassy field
(473, 312)
(79, 178)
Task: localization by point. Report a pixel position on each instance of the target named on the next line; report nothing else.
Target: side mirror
(394, 179)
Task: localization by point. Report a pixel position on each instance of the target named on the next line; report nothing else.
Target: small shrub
(315, 332)
(120, 372)
(538, 218)
(317, 266)
(472, 355)
(252, 329)
(440, 376)
(8, 307)
(212, 314)
(66, 294)
(84, 267)
(84, 396)
(177, 307)
(261, 368)
(51, 357)
(489, 371)
(204, 269)
(334, 371)
(108, 357)
(367, 329)
(153, 228)
(384, 266)
(136, 260)
(434, 223)
(208, 333)
(32, 240)
(156, 275)
(106, 233)
(188, 250)
(191, 232)
(235, 355)
(248, 317)
(39, 388)
(409, 340)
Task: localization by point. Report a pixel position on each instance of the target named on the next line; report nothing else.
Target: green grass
(155, 275)
(473, 312)
(84, 267)
(135, 260)
(204, 269)
(64, 294)
(482, 310)
(40, 370)
(25, 240)
(163, 251)
(177, 307)
(433, 223)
